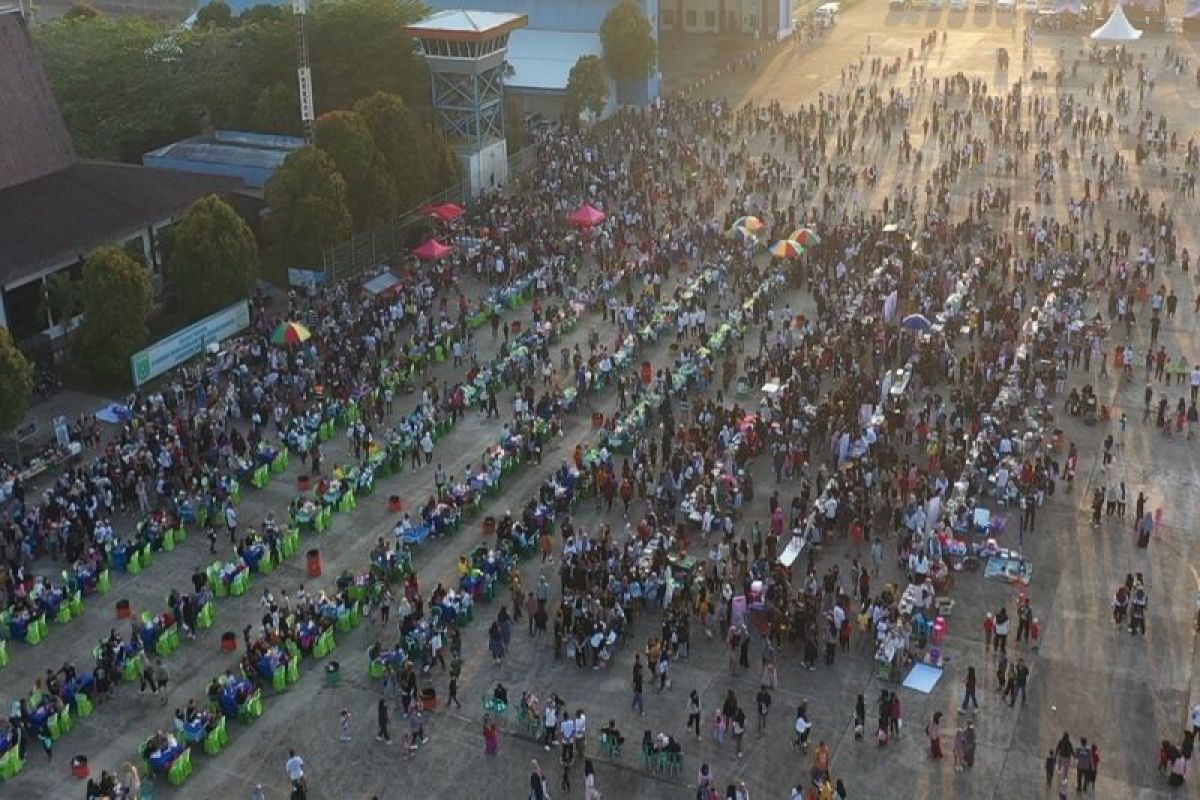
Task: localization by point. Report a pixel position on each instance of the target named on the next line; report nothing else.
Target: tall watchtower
(465, 52)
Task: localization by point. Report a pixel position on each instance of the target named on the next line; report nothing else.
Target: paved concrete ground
(1089, 678)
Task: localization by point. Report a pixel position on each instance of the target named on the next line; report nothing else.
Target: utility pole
(303, 72)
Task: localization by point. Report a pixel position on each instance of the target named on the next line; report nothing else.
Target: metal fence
(381, 244)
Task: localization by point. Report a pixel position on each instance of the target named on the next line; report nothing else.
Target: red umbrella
(446, 212)
(432, 250)
(586, 216)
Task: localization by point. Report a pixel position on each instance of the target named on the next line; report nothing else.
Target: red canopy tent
(432, 250)
(586, 216)
(446, 212)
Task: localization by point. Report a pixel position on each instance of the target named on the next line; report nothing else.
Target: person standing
(763, 703)
(231, 521)
(294, 767)
(344, 726)
(693, 709)
(1083, 763)
(382, 712)
(969, 690)
(162, 677)
(933, 729)
(491, 738)
(637, 685)
(1001, 635)
(1020, 679)
(537, 781)
(590, 792)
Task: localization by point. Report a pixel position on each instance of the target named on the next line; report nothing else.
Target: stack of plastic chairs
(83, 705)
(103, 582)
(261, 477)
(169, 540)
(280, 462)
(76, 603)
(204, 618)
(134, 565)
(3, 652)
(181, 768)
(36, 630)
(219, 589)
(11, 764)
(240, 583)
(293, 669)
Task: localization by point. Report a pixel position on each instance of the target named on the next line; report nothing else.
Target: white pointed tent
(1116, 29)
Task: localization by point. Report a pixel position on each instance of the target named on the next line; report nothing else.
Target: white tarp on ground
(381, 283)
(1116, 29)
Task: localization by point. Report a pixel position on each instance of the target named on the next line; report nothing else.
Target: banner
(189, 342)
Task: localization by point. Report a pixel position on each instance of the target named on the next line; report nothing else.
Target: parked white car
(958, 5)
(983, 5)
(1004, 5)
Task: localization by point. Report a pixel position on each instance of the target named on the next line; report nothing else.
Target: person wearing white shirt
(295, 769)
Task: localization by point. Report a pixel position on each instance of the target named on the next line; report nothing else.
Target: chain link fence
(367, 249)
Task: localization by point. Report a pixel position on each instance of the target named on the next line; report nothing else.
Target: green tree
(16, 383)
(116, 304)
(307, 201)
(61, 300)
(408, 146)
(587, 88)
(112, 83)
(214, 258)
(629, 47)
(260, 14)
(370, 190)
(357, 50)
(277, 109)
(216, 14)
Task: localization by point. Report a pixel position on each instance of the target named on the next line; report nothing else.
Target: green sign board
(188, 342)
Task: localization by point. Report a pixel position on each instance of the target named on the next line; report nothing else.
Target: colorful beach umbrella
(432, 250)
(740, 234)
(805, 236)
(751, 224)
(786, 248)
(286, 333)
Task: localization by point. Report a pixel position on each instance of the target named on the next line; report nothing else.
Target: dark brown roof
(33, 139)
(69, 213)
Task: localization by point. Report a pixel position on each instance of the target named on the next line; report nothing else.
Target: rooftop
(68, 213)
(461, 25)
(33, 139)
(253, 156)
(542, 59)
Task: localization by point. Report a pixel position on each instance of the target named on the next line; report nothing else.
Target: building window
(710, 19)
(691, 19)
(668, 17)
(753, 22)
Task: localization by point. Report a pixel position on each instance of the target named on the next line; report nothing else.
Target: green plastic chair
(169, 540)
(76, 603)
(132, 670)
(147, 556)
(134, 565)
(376, 669)
(235, 492)
(3, 652)
(212, 741)
(267, 565)
(279, 680)
(64, 613)
(293, 669)
(52, 725)
(180, 534)
(238, 587)
(83, 705)
(65, 723)
(33, 633)
(103, 582)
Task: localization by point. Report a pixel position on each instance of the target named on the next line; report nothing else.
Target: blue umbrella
(916, 322)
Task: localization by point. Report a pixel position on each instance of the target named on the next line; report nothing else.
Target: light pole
(303, 72)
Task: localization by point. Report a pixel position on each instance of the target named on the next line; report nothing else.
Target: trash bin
(229, 641)
(79, 767)
(303, 483)
(489, 526)
(395, 504)
(429, 698)
(122, 609)
(333, 673)
(314, 563)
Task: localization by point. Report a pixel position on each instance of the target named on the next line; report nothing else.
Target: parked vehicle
(1004, 5)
